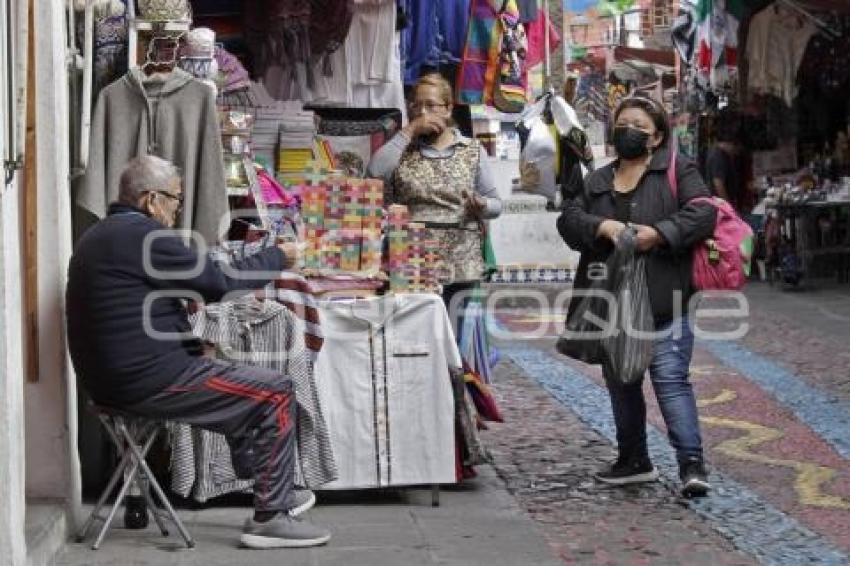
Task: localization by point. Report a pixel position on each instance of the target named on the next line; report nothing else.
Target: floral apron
(433, 190)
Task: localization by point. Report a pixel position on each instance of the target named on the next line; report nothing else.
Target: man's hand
(647, 237)
(291, 252)
(424, 126)
(610, 229)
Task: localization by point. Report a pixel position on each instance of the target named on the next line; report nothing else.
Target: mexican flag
(706, 36)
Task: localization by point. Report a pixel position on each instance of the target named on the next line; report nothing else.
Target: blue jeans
(671, 360)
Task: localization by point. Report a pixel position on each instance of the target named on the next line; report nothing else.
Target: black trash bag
(628, 350)
(586, 326)
(588, 323)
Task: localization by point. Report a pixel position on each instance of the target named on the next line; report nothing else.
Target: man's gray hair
(144, 174)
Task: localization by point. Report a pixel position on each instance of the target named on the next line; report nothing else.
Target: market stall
(765, 105)
(273, 144)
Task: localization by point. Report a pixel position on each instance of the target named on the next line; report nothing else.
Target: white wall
(12, 472)
(12, 505)
(37, 429)
(46, 415)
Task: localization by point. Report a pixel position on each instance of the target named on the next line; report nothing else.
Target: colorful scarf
(480, 64)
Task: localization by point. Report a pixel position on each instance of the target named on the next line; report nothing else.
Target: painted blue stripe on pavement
(826, 415)
(752, 524)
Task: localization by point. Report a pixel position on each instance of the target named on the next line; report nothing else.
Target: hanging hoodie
(175, 119)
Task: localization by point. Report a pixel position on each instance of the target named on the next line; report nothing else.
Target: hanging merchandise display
(555, 149)
(375, 353)
(481, 68)
(172, 116)
(509, 91)
(826, 62)
(164, 10)
(536, 31)
(776, 42)
(197, 56)
(110, 43)
(372, 53)
(539, 159)
(706, 35)
(435, 36)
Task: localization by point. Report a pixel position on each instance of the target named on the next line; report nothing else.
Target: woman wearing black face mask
(634, 190)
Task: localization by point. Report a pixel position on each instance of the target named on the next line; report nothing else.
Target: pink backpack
(721, 262)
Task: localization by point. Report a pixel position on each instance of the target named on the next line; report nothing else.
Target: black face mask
(630, 143)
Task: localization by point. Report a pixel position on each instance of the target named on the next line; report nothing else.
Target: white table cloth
(384, 386)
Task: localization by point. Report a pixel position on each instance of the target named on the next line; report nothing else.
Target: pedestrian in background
(728, 165)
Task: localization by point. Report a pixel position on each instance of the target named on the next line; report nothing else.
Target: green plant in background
(614, 7)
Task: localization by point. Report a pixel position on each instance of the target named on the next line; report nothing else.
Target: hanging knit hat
(235, 77)
(199, 43)
(164, 10)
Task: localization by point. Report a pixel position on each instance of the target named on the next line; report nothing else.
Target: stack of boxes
(421, 268)
(313, 200)
(415, 255)
(343, 220)
(334, 213)
(352, 225)
(398, 220)
(371, 224)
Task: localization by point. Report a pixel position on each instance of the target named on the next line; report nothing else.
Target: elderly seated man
(131, 344)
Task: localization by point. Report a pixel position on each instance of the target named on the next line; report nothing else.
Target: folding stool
(133, 437)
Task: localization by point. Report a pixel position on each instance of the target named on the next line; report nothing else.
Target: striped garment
(480, 64)
(266, 334)
(295, 293)
(290, 289)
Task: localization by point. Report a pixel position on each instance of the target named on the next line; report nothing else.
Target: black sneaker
(626, 471)
(694, 479)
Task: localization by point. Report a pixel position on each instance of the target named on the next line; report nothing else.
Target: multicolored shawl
(480, 65)
(509, 91)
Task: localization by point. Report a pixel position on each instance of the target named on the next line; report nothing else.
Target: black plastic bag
(588, 323)
(610, 324)
(628, 350)
(585, 327)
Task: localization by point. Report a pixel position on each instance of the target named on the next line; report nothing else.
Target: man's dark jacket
(680, 222)
(117, 359)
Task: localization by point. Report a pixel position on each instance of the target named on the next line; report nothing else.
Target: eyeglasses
(178, 198)
(428, 106)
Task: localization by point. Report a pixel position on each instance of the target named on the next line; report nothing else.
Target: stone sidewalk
(476, 523)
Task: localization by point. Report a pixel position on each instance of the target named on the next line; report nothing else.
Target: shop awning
(811, 5)
(662, 57)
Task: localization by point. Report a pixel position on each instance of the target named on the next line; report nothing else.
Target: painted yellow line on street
(810, 477)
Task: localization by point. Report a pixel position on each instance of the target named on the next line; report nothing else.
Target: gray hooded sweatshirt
(175, 119)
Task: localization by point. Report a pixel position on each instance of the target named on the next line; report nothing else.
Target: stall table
(799, 223)
(382, 386)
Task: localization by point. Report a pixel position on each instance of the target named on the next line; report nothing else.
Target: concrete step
(46, 530)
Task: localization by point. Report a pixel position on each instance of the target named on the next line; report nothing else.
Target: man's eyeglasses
(178, 198)
(428, 106)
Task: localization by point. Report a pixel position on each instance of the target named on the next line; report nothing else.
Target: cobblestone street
(775, 425)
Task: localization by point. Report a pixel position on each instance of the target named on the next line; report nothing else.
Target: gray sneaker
(303, 501)
(284, 531)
